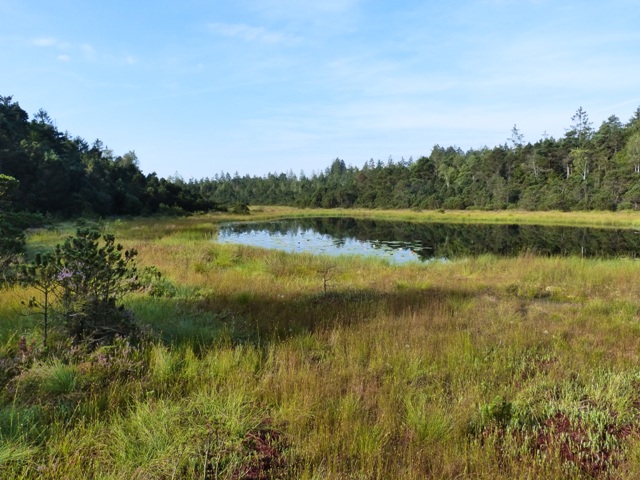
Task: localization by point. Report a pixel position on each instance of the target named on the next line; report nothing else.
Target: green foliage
(497, 413)
(67, 176)
(7, 186)
(240, 209)
(152, 281)
(43, 276)
(170, 211)
(11, 233)
(58, 378)
(584, 170)
(82, 281)
(11, 244)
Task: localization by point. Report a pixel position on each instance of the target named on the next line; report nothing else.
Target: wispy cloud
(247, 32)
(294, 83)
(297, 9)
(310, 18)
(514, 2)
(83, 50)
(88, 50)
(49, 42)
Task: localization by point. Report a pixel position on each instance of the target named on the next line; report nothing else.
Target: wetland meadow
(259, 363)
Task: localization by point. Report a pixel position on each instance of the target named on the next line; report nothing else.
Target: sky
(197, 87)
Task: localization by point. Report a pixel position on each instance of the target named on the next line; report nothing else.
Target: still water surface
(402, 242)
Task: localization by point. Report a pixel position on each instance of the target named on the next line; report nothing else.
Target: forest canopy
(586, 169)
(67, 176)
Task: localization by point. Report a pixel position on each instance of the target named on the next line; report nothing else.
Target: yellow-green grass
(621, 219)
(476, 368)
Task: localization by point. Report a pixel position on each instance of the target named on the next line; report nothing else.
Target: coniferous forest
(66, 176)
(587, 169)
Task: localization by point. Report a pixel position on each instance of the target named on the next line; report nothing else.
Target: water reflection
(405, 241)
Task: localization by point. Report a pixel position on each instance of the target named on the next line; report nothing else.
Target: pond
(402, 242)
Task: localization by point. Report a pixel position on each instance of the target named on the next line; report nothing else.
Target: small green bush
(240, 209)
(82, 281)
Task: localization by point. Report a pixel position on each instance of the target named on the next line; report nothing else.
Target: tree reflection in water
(428, 241)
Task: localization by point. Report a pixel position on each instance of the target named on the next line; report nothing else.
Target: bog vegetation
(244, 366)
(142, 348)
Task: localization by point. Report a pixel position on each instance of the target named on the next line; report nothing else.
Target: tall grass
(478, 368)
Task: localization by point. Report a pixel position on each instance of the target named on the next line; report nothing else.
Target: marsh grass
(478, 368)
(621, 219)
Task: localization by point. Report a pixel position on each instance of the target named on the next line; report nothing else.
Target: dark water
(402, 242)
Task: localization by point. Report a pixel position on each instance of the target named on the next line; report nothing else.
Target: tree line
(586, 169)
(66, 176)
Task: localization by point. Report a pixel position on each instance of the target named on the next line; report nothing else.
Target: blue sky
(197, 87)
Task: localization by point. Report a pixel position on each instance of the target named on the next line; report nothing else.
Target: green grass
(621, 219)
(481, 368)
